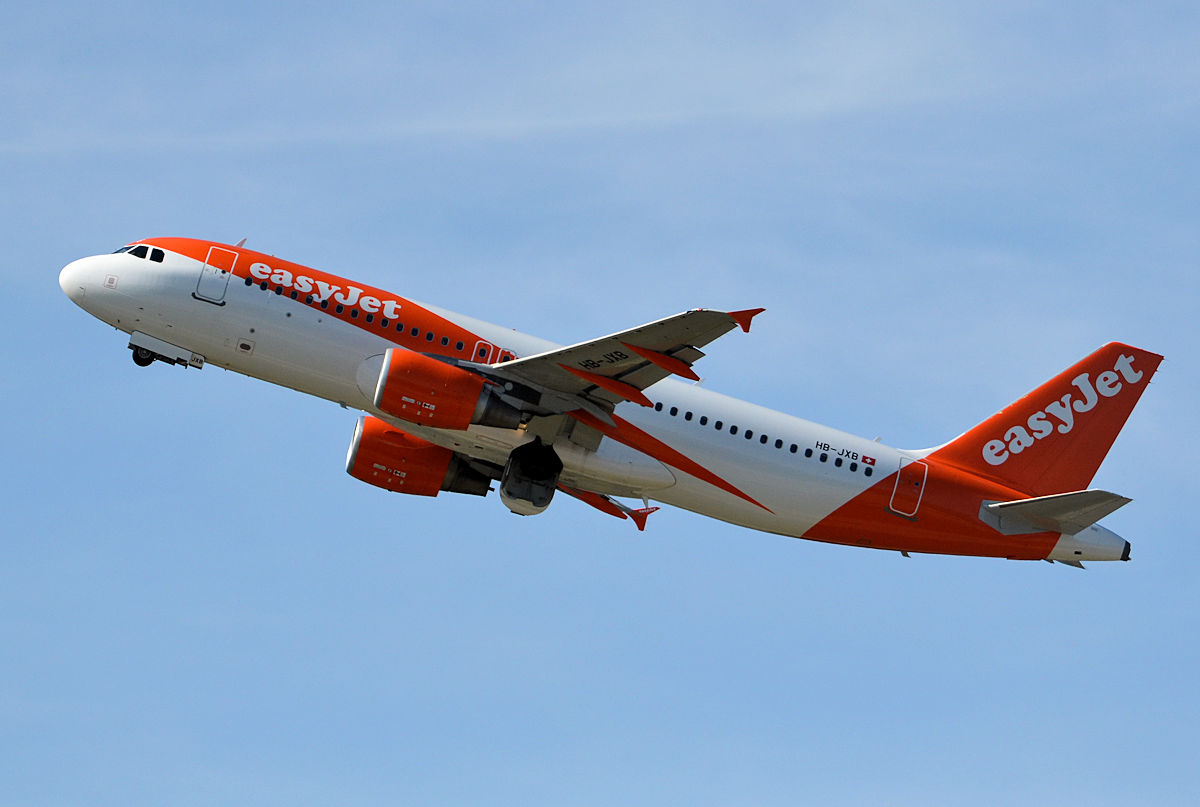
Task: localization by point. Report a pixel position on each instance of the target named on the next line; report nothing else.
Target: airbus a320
(454, 404)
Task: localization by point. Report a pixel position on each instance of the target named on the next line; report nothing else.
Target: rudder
(1054, 439)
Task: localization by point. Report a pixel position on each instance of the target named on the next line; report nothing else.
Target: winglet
(743, 318)
(640, 515)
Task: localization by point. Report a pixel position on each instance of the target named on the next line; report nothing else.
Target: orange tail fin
(1054, 439)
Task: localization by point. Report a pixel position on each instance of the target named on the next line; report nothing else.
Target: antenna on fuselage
(241, 243)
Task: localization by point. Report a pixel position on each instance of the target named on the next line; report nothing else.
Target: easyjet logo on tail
(1059, 416)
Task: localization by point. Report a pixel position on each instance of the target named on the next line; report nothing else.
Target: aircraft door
(214, 277)
(483, 352)
(910, 487)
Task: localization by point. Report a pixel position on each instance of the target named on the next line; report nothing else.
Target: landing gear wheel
(143, 357)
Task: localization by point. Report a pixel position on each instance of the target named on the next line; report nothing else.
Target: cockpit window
(143, 251)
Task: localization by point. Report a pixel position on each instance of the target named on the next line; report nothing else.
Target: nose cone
(73, 280)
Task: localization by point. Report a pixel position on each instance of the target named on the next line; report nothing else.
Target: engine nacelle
(388, 458)
(422, 390)
(530, 477)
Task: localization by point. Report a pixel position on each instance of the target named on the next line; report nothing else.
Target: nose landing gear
(148, 349)
(143, 357)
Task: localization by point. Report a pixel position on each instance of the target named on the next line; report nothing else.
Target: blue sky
(939, 208)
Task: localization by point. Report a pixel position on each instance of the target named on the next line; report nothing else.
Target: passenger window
(808, 452)
(658, 407)
(157, 255)
(749, 433)
(674, 411)
(867, 471)
(824, 457)
(687, 415)
(838, 462)
(459, 347)
(718, 425)
(763, 440)
(445, 341)
(704, 420)
(733, 429)
(793, 448)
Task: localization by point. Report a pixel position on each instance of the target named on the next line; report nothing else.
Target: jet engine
(422, 390)
(530, 477)
(388, 458)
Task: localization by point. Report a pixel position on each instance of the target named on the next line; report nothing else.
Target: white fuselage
(307, 350)
(794, 473)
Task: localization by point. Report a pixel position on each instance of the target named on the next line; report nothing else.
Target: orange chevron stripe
(630, 435)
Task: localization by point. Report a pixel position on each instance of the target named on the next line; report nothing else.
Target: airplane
(451, 403)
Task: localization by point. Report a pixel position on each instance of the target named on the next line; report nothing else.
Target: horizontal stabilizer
(1067, 513)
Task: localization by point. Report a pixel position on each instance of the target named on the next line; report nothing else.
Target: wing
(599, 374)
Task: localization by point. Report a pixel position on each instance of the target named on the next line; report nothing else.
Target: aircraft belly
(791, 505)
(613, 469)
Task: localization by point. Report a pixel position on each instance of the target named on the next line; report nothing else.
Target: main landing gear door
(214, 277)
(910, 487)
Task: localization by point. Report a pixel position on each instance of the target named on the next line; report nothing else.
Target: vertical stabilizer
(1054, 439)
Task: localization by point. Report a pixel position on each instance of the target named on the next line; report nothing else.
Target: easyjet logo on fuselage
(1059, 416)
(322, 290)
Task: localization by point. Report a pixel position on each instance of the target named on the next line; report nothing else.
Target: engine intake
(383, 456)
(422, 390)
